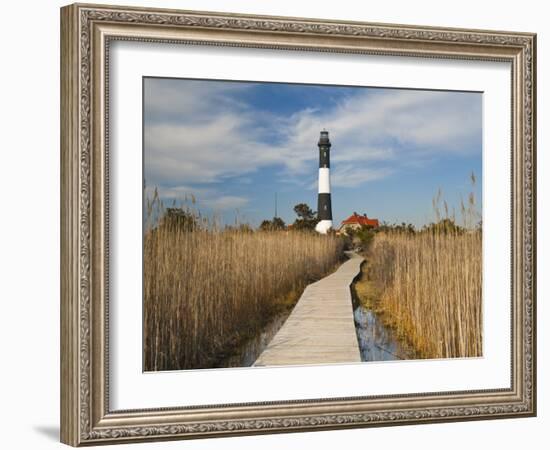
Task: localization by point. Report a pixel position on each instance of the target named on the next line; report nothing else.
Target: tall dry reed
(430, 286)
(207, 289)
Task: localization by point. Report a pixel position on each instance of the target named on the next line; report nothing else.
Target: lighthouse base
(323, 226)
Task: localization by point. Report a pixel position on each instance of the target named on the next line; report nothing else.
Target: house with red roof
(356, 221)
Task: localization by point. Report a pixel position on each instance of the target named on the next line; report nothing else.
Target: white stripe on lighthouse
(324, 180)
(323, 226)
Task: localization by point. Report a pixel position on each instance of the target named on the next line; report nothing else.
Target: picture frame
(87, 32)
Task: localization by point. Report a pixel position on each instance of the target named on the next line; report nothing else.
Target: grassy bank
(205, 290)
(427, 286)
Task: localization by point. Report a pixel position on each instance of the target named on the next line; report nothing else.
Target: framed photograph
(276, 224)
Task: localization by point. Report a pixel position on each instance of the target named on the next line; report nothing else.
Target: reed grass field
(427, 287)
(207, 289)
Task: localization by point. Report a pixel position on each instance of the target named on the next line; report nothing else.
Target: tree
(396, 228)
(361, 236)
(444, 226)
(304, 212)
(306, 217)
(241, 228)
(265, 225)
(276, 224)
(179, 219)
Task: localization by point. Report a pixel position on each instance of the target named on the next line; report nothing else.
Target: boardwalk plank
(320, 329)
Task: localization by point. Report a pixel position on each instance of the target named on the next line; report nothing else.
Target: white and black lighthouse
(324, 207)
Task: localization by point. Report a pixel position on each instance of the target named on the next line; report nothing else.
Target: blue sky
(233, 145)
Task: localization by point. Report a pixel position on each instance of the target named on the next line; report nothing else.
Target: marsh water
(247, 354)
(376, 341)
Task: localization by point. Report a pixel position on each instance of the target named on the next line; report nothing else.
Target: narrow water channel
(376, 341)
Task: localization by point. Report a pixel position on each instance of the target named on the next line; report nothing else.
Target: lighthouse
(324, 208)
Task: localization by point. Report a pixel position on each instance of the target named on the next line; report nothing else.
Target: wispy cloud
(352, 176)
(206, 132)
(198, 196)
(226, 202)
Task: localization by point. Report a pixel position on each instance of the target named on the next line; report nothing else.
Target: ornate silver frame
(86, 31)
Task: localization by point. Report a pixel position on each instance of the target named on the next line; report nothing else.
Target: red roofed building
(357, 221)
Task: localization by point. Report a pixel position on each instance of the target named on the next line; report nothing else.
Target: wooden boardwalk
(320, 329)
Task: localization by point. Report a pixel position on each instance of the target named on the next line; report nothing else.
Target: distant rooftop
(357, 219)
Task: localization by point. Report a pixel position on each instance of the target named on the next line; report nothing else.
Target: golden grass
(429, 289)
(206, 290)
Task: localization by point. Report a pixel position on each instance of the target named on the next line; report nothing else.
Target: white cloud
(354, 175)
(200, 132)
(226, 202)
(197, 197)
(188, 100)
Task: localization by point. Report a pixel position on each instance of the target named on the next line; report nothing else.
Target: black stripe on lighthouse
(324, 156)
(324, 208)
